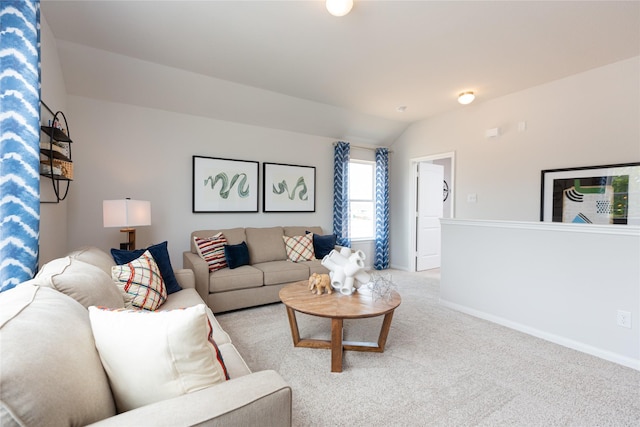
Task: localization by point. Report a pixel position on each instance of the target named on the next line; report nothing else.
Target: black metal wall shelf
(55, 157)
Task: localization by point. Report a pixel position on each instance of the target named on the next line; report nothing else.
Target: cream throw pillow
(299, 248)
(153, 356)
(141, 282)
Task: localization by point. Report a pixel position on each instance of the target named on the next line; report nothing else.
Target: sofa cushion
(239, 278)
(233, 236)
(94, 256)
(236, 255)
(190, 298)
(153, 356)
(141, 281)
(299, 248)
(315, 266)
(278, 272)
(51, 373)
(83, 282)
(160, 254)
(212, 250)
(266, 244)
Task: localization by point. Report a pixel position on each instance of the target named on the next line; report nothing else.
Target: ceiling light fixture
(339, 7)
(466, 98)
(401, 108)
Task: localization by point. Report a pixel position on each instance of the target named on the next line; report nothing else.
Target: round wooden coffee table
(337, 307)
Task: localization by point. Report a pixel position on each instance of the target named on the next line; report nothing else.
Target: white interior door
(430, 205)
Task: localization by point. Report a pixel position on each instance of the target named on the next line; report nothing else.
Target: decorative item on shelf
(382, 286)
(126, 213)
(346, 270)
(318, 283)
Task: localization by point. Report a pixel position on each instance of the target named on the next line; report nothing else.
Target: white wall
(128, 151)
(587, 119)
(53, 217)
(561, 282)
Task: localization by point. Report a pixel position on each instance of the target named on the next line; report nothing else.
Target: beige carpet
(440, 367)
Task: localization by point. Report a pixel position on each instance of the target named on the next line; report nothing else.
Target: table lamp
(126, 213)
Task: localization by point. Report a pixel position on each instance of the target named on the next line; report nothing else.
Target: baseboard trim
(556, 339)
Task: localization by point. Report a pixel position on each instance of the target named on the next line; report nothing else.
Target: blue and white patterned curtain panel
(19, 140)
(341, 154)
(381, 261)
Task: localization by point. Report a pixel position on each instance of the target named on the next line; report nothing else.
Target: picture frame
(224, 185)
(288, 188)
(605, 194)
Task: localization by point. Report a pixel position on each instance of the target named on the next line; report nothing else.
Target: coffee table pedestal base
(336, 344)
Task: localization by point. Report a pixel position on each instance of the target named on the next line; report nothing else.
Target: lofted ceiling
(290, 65)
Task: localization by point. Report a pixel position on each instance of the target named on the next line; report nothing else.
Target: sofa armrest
(200, 270)
(260, 398)
(185, 277)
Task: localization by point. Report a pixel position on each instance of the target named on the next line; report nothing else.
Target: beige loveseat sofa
(52, 375)
(255, 284)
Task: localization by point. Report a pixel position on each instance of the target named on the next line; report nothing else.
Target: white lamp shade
(339, 7)
(126, 213)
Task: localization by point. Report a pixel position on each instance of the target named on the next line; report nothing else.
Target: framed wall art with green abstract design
(288, 188)
(224, 185)
(607, 194)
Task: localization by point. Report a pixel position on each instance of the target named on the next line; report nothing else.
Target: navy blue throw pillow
(237, 255)
(322, 245)
(160, 254)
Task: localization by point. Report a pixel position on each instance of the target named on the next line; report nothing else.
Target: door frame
(414, 198)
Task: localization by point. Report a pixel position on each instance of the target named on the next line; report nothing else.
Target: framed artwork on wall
(607, 194)
(288, 188)
(224, 185)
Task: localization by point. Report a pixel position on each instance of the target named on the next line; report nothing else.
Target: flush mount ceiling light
(466, 98)
(339, 7)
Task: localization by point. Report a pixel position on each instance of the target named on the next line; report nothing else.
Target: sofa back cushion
(266, 244)
(234, 236)
(94, 256)
(83, 282)
(297, 230)
(51, 372)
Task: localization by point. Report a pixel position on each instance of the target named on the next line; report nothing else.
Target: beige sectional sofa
(257, 283)
(52, 374)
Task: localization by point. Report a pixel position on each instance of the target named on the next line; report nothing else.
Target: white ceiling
(291, 65)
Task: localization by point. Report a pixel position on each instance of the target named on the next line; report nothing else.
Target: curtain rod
(364, 148)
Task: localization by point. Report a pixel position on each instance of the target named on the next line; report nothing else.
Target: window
(361, 200)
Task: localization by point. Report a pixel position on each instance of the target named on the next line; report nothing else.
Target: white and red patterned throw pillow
(141, 282)
(212, 251)
(299, 248)
(154, 356)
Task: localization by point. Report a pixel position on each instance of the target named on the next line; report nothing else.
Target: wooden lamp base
(130, 244)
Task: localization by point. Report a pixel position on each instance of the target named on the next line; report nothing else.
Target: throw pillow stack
(145, 276)
(219, 254)
(309, 246)
(151, 355)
